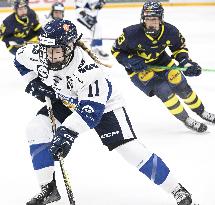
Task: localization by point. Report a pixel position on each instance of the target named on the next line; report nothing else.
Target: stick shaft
(63, 171)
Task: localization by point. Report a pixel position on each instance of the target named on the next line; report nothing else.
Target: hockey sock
(148, 163)
(176, 108)
(194, 103)
(43, 162)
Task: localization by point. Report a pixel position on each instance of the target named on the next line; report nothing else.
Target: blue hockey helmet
(152, 8)
(60, 34)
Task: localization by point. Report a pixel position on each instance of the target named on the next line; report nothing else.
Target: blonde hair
(91, 54)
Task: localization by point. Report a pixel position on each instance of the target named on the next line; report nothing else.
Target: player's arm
(37, 28)
(178, 46)
(12, 43)
(92, 99)
(22, 64)
(91, 104)
(180, 53)
(34, 85)
(125, 56)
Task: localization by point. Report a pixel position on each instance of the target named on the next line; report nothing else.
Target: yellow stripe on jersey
(9, 47)
(37, 27)
(115, 53)
(171, 63)
(34, 40)
(132, 74)
(172, 101)
(22, 22)
(191, 98)
(179, 51)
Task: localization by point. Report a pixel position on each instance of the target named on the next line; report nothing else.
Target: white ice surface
(100, 177)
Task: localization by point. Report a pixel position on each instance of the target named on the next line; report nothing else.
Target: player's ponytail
(91, 54)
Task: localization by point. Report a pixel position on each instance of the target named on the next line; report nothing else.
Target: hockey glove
(135, 65)
(18, 42)
(100, 4)
(193, 69)
(62, 142)
(40, 90)
(87, 20)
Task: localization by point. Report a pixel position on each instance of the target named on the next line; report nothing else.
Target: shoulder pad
(131, 30)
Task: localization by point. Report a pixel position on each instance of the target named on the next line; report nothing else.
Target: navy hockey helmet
(20, 3)
(152, 8)
(57, 7)
(61, 35)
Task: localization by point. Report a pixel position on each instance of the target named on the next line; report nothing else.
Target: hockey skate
(208, 116)
(48, 194)
(182, 196)
(195, 125)
(100, 53)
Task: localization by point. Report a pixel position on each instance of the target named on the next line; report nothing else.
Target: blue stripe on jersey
(21, 68)
(155, 169)
(110, 89)
(91, 112)
(41, 157)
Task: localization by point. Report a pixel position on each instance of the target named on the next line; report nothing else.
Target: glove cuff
(72, 133)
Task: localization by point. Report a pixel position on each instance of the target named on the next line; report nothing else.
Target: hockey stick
(106, 39)
(178, 68)
(63, 171)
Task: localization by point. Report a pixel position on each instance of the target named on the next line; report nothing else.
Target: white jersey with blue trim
(83, 84)
(87, 5)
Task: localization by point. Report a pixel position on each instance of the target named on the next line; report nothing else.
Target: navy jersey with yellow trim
(135, 43)
(15, 32)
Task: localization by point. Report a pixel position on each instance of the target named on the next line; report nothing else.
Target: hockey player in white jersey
(87, 14)
(57, 11)
(83, 97)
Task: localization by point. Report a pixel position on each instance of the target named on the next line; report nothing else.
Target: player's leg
(193, 101)
(116, 132)
(39, 134)
(97, 42)
(176, 82)
(152, 83)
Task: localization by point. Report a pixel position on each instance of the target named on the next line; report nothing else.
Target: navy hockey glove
(135, 65)
(62, 142)
(193, 69)
(40, 90)
(100, 4)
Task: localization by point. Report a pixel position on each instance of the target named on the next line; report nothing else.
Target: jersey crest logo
(66, 27)
(82, 68)
(42, 72)
(69, 83)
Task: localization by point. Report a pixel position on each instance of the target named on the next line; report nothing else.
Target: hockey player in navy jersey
(141, 50)
(21, 27)
(83, 97)
(87, 14)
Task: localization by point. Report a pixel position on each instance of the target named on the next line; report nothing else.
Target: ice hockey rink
(100, 177)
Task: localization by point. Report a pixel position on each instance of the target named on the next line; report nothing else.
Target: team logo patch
(174, 76)
(146, 75)
(66, 27)
(88, 109)
(43, 72)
